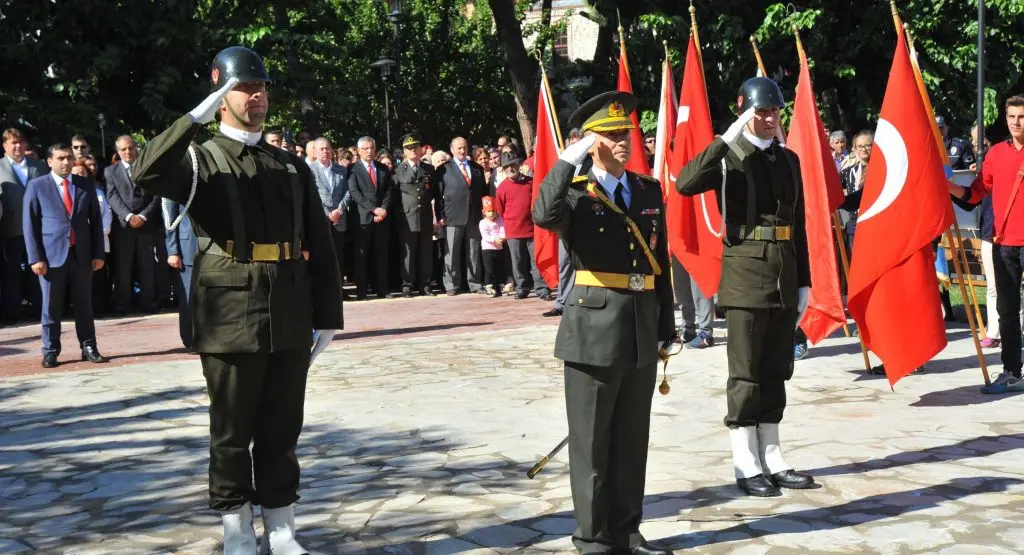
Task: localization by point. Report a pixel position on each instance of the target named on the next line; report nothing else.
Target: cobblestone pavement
(420, 445)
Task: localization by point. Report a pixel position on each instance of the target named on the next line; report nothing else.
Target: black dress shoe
(521, 296)
(553, 312)
(427, 292)
(92, 354)
(406, 292)
(758, 486)
(452, 293)
(648, 549)
(50, 360)
(793, 480)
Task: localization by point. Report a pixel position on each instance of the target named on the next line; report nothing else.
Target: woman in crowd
(101, 285)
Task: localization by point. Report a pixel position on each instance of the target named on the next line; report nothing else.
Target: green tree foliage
(143, 63)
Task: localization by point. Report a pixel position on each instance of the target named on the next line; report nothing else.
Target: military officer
(617, 315)
(415, 179)
(961, 152)
(255, 210)
(765, 278)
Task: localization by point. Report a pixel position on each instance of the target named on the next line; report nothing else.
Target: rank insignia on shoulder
(650, 211)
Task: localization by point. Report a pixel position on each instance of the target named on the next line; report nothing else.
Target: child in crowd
(492, 240)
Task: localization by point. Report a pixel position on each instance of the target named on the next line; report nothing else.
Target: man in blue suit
(182, 247)
(63, 232)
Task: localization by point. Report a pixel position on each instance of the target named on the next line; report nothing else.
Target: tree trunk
(522, 69)
(310, 117)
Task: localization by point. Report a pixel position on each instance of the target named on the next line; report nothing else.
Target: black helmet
(760, 92)
(240, 62)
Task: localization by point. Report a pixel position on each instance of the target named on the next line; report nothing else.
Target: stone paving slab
(421, 445)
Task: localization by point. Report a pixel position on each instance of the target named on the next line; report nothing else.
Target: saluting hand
(736, 129)
(577, 153)
(204, 113)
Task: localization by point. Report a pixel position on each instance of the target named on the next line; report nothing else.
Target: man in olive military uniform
(415, 179)
(765, 278)
(256, 211)
(612, 222)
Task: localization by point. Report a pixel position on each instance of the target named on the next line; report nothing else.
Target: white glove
(321, 339)
(577, 153)
(736, 129)
(204, 113)
(803, 297)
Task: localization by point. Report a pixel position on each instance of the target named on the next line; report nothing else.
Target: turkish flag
(638, 155)
(893, 291)
(822, 195)
(545, 243)
(693, 222)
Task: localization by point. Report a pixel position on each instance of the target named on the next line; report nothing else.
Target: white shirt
(609, 183)
(241, 135)
(21, 170)
(760, 143)
(128, 169)
(464, 166)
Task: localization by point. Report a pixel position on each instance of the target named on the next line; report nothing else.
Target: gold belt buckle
(783, 233)
(263, 252)
(636, 282)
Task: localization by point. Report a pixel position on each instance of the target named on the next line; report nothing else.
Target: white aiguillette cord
(192, 193)
(704, 205)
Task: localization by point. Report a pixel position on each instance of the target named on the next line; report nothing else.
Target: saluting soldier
(765, 279)
(620, 308)
(255, 209)
(415, 179)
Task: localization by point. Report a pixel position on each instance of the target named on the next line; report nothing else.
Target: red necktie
(67, 204)
(465, 174)
(373, 174)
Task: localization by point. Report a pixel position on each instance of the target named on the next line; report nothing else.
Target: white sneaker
(279, 533)
(239, 536)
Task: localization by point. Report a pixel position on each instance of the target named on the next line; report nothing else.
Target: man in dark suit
(16, 170)
(618, 316)
(461, 188)
(63, 232)
(138, 213)
(370, 187)
(181, 252)
(332, 184)
(415, 179)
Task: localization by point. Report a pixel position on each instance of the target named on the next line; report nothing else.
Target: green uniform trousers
(257, 399)
(609, 410)
(760, 353)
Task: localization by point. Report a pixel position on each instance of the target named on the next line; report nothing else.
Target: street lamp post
(385, 65)
(397, 17)
(103, 138)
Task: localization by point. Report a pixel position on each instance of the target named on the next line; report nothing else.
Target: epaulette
(580, 179)
(648, 179)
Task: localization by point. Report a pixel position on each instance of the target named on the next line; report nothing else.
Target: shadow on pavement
(959, 397)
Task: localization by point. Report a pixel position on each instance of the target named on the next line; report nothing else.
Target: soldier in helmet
(616, 317)
(961, 152)
(765, 278)
(256, 211)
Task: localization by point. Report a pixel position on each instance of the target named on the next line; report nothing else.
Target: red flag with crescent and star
(893, 291)
(694, 223)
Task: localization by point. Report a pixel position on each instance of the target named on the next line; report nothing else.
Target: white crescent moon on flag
(894, 149)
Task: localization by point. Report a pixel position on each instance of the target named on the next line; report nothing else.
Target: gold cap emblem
(615, 110)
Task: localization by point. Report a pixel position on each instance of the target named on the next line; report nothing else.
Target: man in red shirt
(1002, 175)
(514, 204)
